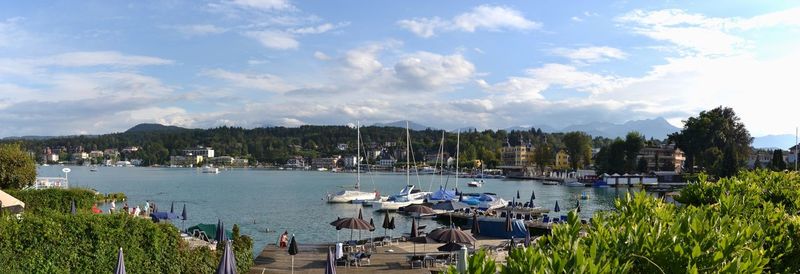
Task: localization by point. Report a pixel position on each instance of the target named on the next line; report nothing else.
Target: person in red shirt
(96, 210)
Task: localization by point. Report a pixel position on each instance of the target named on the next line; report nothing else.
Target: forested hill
(277, 144)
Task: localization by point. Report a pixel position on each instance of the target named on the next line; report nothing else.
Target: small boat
(549, 183)
(93, 169)
(576, 184)
(322, 169)
(210, 169)
(484, 201)
(584, 196)
(475, 183)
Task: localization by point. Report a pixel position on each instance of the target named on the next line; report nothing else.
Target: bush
(744, 224)
(17, 168)
(58, 200)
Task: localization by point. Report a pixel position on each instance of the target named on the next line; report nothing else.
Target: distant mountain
(783, 141)
(657, 128)
(148, 127)
(402, 124)
(35, 138)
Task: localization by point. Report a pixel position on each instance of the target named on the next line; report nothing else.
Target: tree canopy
(711, 134)
(579, 148)
(17, 168)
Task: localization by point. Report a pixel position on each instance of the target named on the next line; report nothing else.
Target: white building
(206, 152)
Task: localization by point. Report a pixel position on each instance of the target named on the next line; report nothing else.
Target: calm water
(293, 200)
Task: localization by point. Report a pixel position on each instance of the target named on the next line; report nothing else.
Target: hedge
(55, 199)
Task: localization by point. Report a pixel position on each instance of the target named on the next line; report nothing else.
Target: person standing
(146, 207)
(284, 239)
(113, 206)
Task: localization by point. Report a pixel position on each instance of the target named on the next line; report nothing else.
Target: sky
(93, 67)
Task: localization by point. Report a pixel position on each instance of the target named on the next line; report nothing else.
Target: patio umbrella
(450, 205)
(461, 262)
(451, 235)
(336, 224)
(120, 268)
(293, 250)
(578, 204)
(422, 240)
(414, 233)
(172, 207)
(419, 209)
(330, 263)
(391, 225)
(449, 247)
(227, 264)
(517, 193)
(352, 224)
(461, 197)
(10, 204)
(533, 197)
(557, 209)
(73, 210)
(476, 227)
(371, 223)
(359, 214)
(386, 224)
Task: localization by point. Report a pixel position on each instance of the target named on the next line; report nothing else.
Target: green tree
(730, 165)
(641, 166)
(717, 128)
(543, 156)
(757, 164)
(777, 162)
(17, 167)
(634, 142)
(579, 148)
(616, 157)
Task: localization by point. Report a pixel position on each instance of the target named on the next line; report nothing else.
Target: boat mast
(358, 155)
(796, 149)
(441, 156)
(408, 156)
(458, 143)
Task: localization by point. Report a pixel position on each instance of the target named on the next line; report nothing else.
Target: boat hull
(350, 196)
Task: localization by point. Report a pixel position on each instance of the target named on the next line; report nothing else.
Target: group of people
(136, 211)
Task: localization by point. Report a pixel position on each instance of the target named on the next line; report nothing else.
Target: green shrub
(58, 200)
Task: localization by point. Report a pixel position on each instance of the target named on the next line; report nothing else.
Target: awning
(8, 202)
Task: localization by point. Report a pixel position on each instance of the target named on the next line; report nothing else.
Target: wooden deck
(311, 259)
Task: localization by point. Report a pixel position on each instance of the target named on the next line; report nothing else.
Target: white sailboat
(348, 196)
(408, 195)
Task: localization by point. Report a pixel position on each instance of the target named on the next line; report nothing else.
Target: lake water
(257, 199)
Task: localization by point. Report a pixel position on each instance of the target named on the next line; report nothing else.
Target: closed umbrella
(391, 225)
(172, 207)
(293, 250)
(578, 204)
(73, 210)
(372, 224)
(528, 238)
(509, 229)
(120, 268)
(533, 197)
(220, 236)
(359, 214)
(414, 233)
(227, 264)
(476, 227)
(517, 193)
(461, 261)
(386, 224)
(557, 209)
(183, 215)
(330, 263)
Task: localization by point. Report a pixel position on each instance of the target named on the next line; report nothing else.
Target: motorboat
(550, 183)
(484, 201)
(475, 183)
(407, 196)
(442, 195)
(584, 196)
(210, 169)
(93, 169)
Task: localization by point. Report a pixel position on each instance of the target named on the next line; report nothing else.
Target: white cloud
(262, 4)
(321, 56)
(431, 71)
(590, 54)
(274, 39)
(199, 29)
(576, 19)
(487, 17)
(265, 82)
(323, 28)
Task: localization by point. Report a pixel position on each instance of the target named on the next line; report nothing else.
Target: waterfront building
(240, 162)
(96, 154)
(80, 156)
(220, 161)
(111, 153)
(663, 158)
(434, 158)
(342, 146)
(185, 160)
(136, 162)
(325, 162)
(562, 160)
(350, 161)
(206, 152)
(386, 160)
(296, 162)
(516, 160)
(50, 158)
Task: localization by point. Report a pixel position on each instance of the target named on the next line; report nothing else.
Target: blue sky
(93, 67)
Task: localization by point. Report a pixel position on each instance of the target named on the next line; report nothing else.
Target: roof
(10, 203)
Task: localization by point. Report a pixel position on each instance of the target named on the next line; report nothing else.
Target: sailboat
(442, 194)
(408, 195)
(348, 196)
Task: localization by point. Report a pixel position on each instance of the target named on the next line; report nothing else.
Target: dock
(389, 259)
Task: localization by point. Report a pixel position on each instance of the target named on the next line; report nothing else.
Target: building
(51, 158)
(342, 146)
(186, 161)
(111, 153)
(562, 160)
(240, 162)
(436, 159)
(516, 156)
(80, 156)
(206, 152)
(96, 154)
(350, 161)
(386, 160)
(325, 162)
(296, 162)
(762, 156)
(220, 161)
(130, 149)
(669, 158)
